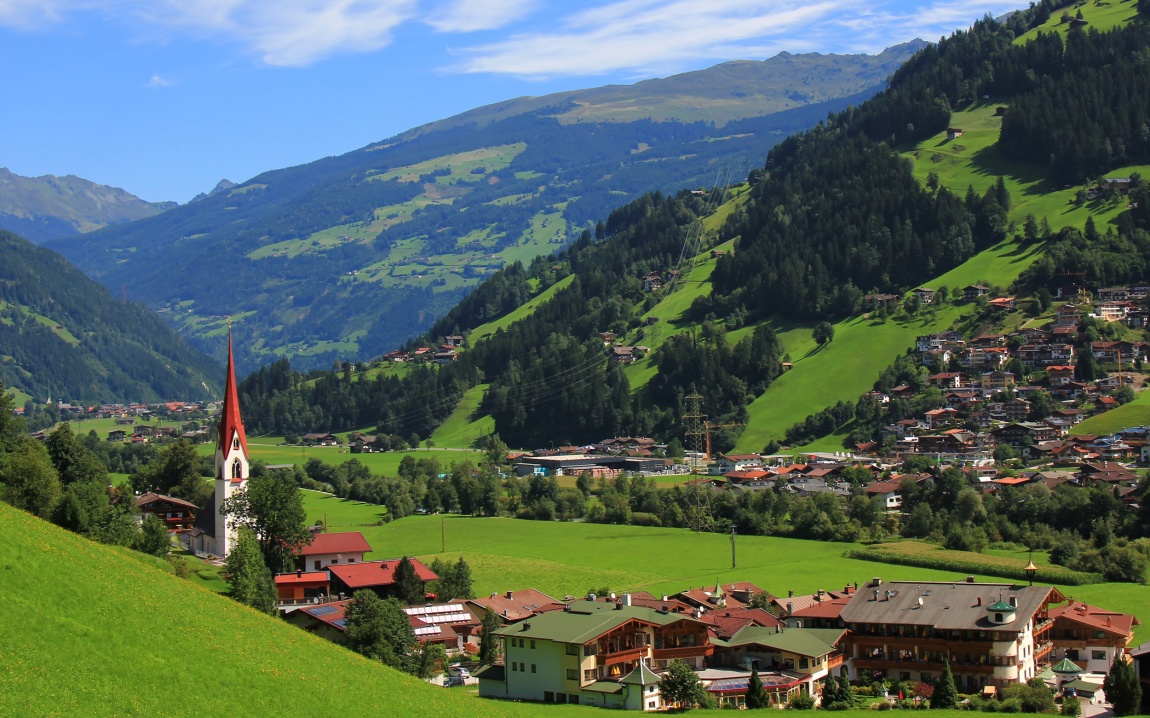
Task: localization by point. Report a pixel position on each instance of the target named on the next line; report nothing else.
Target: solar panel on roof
(342, 623)
(323, 610)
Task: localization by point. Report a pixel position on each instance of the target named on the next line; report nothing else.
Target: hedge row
(1045, 574)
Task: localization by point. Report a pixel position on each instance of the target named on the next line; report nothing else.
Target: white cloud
(473, 15)
(28, 14)
(651, 35)
(157, 81)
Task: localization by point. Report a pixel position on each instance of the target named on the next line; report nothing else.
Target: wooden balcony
(669, 654)
(622, 656)
(878, 664)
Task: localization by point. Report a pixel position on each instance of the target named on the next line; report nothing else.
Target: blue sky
(166, 97)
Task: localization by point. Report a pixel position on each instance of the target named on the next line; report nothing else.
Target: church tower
(231, 457)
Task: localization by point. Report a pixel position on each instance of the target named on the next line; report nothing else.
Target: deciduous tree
(251, 581)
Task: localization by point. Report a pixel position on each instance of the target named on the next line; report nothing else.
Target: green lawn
(1136, 413)
(568, 558)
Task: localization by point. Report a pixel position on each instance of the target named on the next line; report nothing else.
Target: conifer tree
(945, 695)
(1123, 689)
(408, 586)
(756, 696)
(488, 641)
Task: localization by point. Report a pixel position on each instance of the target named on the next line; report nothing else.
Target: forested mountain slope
(63, 335)
(815, 232)
(348, 256)
(48, 207)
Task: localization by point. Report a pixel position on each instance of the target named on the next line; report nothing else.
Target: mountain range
(49, 207)
(348, 256)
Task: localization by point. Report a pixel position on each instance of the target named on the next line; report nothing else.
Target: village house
(512, 606)
(319, 440)
(924, 295)
(991, 634)
(302, 588)
(973, 291)
(327, 549)
(887, 492)
(996, 380)
(1091, 637)
(726, 463)
(377, 576)
(946, 380)
(176, 514)
(594, 653)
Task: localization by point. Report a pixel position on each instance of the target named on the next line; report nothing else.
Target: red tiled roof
(343, 542)
(1011, 480)
(230, 421)
(376, 573)
(1097, 618)
(288, 579)
(883, 487)
(829, 608)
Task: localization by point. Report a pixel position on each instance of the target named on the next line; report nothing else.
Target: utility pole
(442, 535)
(732, 545)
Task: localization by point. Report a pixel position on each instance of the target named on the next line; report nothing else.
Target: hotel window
(572, 674)
(804, 663)
(588, 674)
(1098, 655)
(532, 667)
(572, 649)
(317, 565)
(589, 649)
(533, 644)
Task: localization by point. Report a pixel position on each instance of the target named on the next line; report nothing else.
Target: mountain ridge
(49, 207)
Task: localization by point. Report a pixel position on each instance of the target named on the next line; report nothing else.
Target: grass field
(385, 464)
(100, 631)
(568, 558)
(1101, 14)
(1007, 565)
(1136, 413)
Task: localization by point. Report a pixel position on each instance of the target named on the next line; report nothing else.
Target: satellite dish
(315, 599)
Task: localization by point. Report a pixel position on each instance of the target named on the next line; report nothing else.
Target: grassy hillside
(568, 558)
(1136, 413)
(101, 633)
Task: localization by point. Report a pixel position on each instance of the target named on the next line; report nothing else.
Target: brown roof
(945, 606)
(152, 496)
(517, 605)
(727, 622)
(829, 608)
(343, 542)
(883, 487)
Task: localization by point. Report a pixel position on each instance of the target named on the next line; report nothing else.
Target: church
(212, 536)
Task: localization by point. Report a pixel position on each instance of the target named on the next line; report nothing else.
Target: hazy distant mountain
(49, 207)
(348, 256)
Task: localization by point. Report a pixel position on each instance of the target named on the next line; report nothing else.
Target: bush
(801, 702)
(180, 566)
(839, 706)
(884, 706)
(640, 518)
(1010, 705)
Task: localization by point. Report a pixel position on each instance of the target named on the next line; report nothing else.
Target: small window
(236, 442)
(572, 649)
(318, 565)
(804, 663)
(926, 678)
(998, 618)
(334, 561)
(1098, 655)
(589, 649)
(572, 674)
(237, 469)
(532, 667)
(351, 560)
(533, 644)
(1098, 634)
(588, 674)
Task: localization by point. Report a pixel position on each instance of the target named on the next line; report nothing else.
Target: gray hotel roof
(945, 606)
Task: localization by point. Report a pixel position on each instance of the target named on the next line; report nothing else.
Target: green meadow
(526, 310)
(464, 427)
(384, 464)
(1136, 413)
(569, 558)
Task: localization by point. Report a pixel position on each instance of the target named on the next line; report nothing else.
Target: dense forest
(62, 334)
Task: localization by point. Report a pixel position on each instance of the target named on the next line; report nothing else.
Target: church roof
(230, 421)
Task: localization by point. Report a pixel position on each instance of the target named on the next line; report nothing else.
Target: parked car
(458, 671)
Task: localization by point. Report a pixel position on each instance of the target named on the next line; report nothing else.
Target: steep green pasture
(1136, 413)
(527, 309)
(461, 164)
(1100, 14)
(385, 464)
(841, 370)
(98, 631)
(463, 427)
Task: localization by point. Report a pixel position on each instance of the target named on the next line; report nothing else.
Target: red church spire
(231, 424)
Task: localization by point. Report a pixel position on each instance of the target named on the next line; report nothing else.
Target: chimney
(790, 594)
(618, 606)
(876, 594)
(526, 627)
(819, 596)
(299, 574)
(664, 597)
(508, 594)
(626, 599)
(978, 601)
(1014, 601)
(876, 581)
(790, 608)
(970, 579)
(856, 585)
